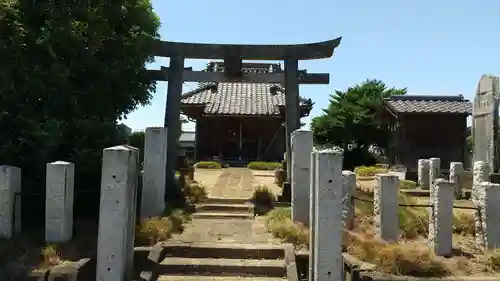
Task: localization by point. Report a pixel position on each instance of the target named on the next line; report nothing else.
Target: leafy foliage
(69, 72)
(353, 117)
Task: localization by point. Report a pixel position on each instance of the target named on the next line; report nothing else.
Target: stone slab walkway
(233, 183)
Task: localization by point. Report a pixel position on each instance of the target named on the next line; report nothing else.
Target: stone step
(222, 267)
(223, 251)
(220, 215)
(216, 278)
(228, 208)
(225, 200)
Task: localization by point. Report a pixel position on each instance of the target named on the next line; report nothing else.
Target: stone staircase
(243, 253)
(224, 208)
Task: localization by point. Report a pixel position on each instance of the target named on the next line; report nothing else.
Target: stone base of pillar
(495, 178)
(286, 193)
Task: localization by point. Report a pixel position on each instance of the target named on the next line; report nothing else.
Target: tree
(70, 70)
(352, 119)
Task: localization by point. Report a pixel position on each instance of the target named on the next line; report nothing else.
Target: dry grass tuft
(280, 224)
(50, 256)
(157, 229)
(263, 195)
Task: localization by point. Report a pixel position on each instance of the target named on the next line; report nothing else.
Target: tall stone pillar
(60, 182)
(302, 145)
(312, 213)
(153, 178)
(434, 169)
(328, 223)
(10, 213)
(292, 116)
(115, 244)
(173, 125)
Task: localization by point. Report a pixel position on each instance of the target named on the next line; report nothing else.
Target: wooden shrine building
(239, 121)
(427, 126)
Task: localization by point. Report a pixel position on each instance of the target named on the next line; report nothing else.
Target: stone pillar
(456, 177)
(292, 116)
(348, 190)
(10, 212)
(480, 173)
(434, 169)
(423, 173)
(302, 145)
(312, 213)
(489, 236)
(173, 125)
(442, 222)
(385, 207)
(328, 261)
(115, 244)
(153, 178)
(60, 182)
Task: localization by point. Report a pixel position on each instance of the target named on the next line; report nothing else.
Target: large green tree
(69, 70)
(352, 119)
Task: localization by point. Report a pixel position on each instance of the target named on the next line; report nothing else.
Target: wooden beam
(318, 50)
(271, 78)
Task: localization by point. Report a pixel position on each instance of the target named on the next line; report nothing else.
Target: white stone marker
(328, 261)
(312, 216)
(10, 184)
(60, 182)
(385, 207)
(441, 239)
(115, 245)
(434, 169)
(480, 174)
(456, 176)
(153, 178)
(490, 215)
(423, 173)
(348, 190)
(302, 146)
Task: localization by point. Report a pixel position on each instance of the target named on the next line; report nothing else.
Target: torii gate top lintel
(318, 50)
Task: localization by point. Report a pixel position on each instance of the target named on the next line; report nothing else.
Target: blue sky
(429, 46)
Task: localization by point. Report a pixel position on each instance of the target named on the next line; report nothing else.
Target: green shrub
(208, 165)
(368, 171)
(257, 165)
(407, 184)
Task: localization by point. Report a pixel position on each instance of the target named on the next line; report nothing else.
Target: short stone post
(60, 181)
(312, 214)
(328, 261)
(442, 219)
(302, 146)
(423, 173)
(348, 190)
(489, 237)
(153, 178)
(456, 177)
(10, 212)
(480, 174)
(385, 207)
(115, 244)
(434, 169)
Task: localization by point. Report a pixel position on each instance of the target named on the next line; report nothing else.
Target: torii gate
(233, 55)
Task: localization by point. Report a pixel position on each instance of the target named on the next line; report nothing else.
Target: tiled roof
(239, 98)
(429, 104)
